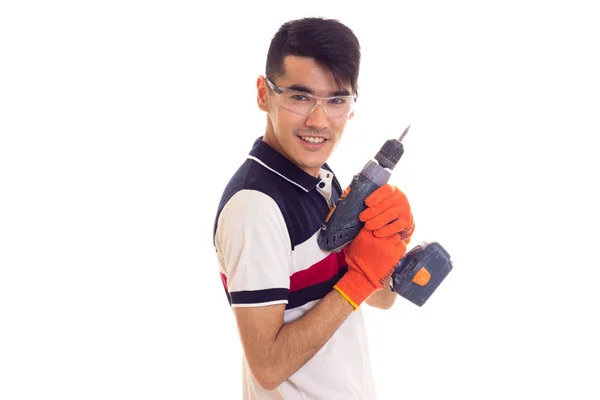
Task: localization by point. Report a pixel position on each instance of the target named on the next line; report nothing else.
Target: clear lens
(303, 103)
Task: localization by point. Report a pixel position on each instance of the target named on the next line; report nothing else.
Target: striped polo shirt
(265, 236)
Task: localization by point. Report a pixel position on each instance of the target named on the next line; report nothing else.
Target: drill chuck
(389, 154)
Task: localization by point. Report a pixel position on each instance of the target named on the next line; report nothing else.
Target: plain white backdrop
(120, 122)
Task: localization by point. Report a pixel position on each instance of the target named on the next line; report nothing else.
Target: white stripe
(271, 169)
(308, 253)
(268, 303)
(254, 248)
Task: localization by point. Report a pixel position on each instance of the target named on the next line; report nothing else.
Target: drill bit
(404, 134)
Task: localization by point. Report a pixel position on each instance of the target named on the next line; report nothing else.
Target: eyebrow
(302, 88)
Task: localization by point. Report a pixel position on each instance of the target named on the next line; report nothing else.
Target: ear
(351, 115)
(261, 94)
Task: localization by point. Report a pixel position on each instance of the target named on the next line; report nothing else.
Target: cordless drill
(418, 274)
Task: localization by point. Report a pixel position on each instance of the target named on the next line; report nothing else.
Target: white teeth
(312, 139)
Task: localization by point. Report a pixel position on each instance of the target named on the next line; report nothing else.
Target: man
(297, 307)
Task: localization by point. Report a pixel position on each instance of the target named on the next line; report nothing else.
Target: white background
(121, 121)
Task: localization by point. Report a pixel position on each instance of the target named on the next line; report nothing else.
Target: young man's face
(300, 137)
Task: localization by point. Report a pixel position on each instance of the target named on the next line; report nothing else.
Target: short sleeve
(254, 250)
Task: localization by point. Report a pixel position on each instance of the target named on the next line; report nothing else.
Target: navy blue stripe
(259, 296)
(315, 292)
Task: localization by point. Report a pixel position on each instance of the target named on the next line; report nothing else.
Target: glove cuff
(355, 288)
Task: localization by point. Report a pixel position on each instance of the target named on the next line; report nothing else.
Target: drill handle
(342, 224)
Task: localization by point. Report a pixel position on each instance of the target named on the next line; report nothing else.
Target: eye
(298, 97)
(337, 101)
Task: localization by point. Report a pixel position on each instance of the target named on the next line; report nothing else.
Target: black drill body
(418, 274)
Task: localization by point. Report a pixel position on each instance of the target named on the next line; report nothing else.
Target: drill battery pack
(420, 272)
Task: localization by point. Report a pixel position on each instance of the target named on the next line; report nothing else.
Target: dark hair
(328, 41)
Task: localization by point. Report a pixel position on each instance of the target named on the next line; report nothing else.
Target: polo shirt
(265, 237)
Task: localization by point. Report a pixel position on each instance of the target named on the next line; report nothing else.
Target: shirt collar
(271, 159)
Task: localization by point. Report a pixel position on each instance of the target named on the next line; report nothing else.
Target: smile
(312, 139)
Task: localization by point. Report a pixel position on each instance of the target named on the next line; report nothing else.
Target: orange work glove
(378, 247)
(388, 212)
(371, 261)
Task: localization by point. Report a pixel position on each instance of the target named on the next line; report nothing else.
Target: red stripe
(224, 279)
(319, 272)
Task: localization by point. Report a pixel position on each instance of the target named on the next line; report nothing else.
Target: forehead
(307, 72)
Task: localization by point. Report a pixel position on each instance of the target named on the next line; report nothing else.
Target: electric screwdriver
(418, 274)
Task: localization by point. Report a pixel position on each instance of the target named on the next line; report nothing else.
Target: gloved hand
(388, 212)
(376, 250)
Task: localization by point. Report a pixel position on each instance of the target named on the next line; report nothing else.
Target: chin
(312, 163)
(307, 159)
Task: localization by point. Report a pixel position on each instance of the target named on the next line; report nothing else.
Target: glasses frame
(318, 100)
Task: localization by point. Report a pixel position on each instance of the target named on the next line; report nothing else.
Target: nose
(317, 119)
